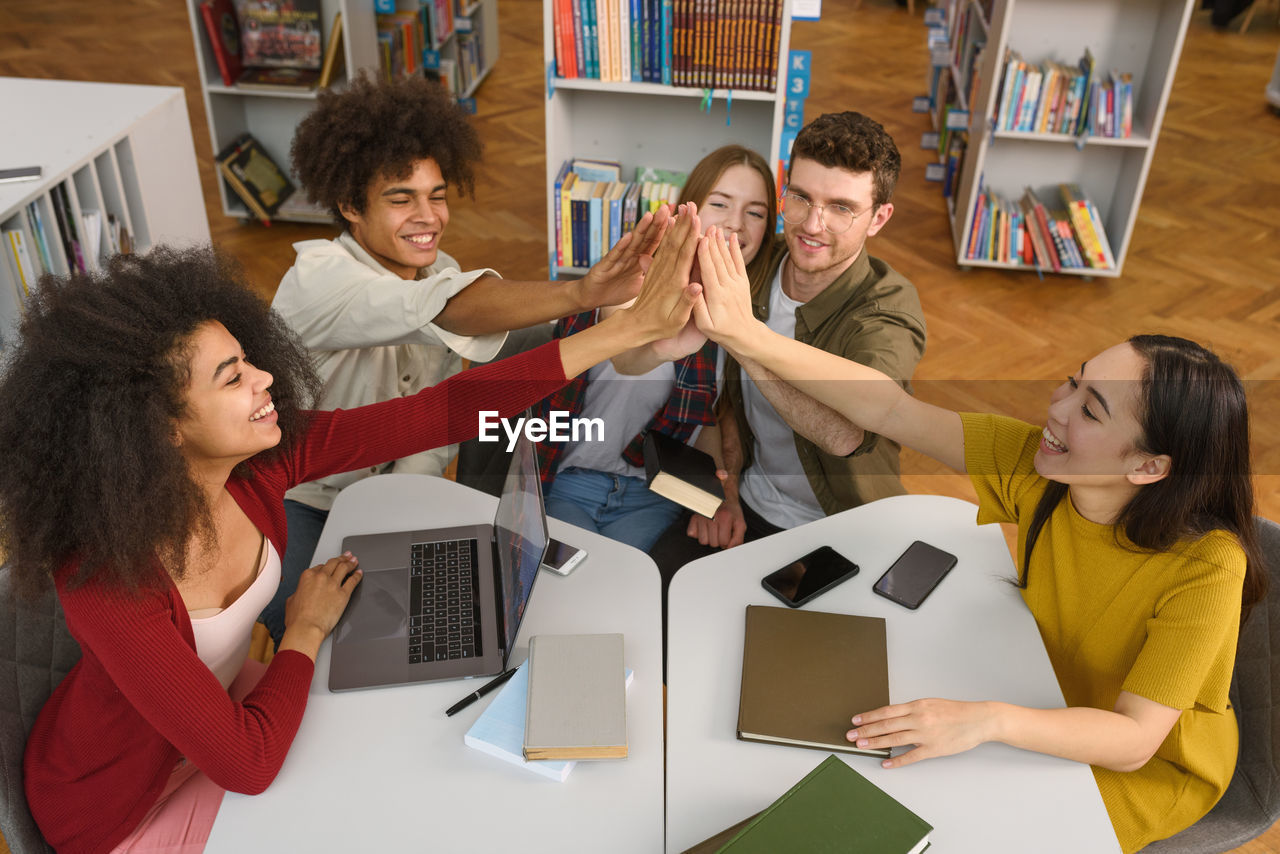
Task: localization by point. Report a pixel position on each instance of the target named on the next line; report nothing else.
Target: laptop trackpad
(377, 609)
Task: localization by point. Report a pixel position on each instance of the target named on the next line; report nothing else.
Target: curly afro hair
(375, 129)
(854, 142)
(88, 403)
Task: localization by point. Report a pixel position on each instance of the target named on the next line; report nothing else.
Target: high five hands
(723, 310)
(667, 298)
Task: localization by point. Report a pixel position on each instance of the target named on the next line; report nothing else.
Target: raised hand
(619, 275)
(724, 312)
(666, 300)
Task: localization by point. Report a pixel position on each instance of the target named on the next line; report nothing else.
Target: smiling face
(403, 219)
(739, 204)
(229, 415)
(1092, 433)
(817, 255)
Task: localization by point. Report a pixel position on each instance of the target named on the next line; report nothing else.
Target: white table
(973, 639)
(384, 769)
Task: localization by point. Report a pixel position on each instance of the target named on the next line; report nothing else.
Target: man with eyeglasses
(798, 459)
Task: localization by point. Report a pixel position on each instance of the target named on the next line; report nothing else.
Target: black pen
(484, 689)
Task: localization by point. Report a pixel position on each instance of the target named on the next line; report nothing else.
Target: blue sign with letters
(798, 71)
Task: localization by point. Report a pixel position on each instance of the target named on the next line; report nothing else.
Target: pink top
(223, 635)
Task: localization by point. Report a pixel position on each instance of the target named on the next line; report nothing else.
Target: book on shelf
(28, 274)
(67, 228)
(577, 703)
(499, 731)
(334, 57)
(92, 219)
(256, 179)
(1064, 99)
(682, 473)
(223, 29)
(35, 224)
(806, 673)
(596, 170)
(1087, 226)
(278, 79)
(280, 33)
(118, 233)
(833, 808)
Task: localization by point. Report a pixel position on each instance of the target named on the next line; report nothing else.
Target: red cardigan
(105, 742)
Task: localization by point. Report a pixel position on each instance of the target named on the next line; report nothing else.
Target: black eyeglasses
(836, 219)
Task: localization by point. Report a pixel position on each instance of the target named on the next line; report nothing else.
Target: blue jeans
(619, 507)
(304, 524)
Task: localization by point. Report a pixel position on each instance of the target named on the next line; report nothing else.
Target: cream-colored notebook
(577, 698)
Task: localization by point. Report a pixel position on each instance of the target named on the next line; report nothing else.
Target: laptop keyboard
(444, 605)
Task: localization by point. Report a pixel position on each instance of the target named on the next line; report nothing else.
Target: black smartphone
(914, 574)
(809, 576)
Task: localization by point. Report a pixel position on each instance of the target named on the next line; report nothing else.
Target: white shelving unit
(649, 124)
(1143, 37)
(272, 116)
(123, 150)
(476, 19)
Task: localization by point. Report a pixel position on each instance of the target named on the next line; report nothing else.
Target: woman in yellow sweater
(1137, 543)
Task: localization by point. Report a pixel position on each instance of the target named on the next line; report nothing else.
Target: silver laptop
(443, 603)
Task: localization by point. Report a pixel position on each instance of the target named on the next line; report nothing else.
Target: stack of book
(594, 207)
(32, 243)
(1028, 232)
(1056, 98)
(722, 44)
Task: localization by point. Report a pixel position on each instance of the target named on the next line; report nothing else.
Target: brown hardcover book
(224, 37)
(254, 177)
(759, 34)
(682, 473)
(806, 673)
(720, 60)
(771, 58)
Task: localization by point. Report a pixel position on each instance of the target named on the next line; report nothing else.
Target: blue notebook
(499, 731)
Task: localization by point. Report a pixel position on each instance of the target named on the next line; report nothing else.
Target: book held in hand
(682, 473)
(805, 674)
(254, 177)
(577, 698)
(834, 808)
(499, 731)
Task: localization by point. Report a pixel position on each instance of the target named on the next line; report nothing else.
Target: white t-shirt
(372, 337)
(776, 486)
(625, 404)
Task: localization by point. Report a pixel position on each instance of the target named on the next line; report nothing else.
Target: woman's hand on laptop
(313, 610)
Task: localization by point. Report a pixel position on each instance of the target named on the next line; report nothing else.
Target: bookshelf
(651, 124)
(122, 150)
(1141, 37)
(271, 116)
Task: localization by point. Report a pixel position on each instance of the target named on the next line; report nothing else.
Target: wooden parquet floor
(1204, 262)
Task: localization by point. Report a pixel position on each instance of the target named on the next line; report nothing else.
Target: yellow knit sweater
(1115, 617)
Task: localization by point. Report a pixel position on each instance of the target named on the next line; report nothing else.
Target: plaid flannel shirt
(692, 400)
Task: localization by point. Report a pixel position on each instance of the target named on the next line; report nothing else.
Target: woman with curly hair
(153, 416)
(384, 311)
(1137, 544)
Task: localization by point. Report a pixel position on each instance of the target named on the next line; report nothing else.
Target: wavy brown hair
(378, 129)
(88, 403)
(853, 142)
(702, 180)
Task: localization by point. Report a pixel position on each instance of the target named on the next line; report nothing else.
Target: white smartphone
(21, 173)
(562, 558)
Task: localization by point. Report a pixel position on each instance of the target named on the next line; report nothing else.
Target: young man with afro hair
(384, 311)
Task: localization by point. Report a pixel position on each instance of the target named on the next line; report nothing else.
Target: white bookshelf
(649, 124)
(272, 116)
(122, 150)
(1142, 37)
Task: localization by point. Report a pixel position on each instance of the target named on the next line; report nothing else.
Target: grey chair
(1251, 803)
(36, 651)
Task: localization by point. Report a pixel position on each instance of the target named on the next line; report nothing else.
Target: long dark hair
(1191, 407)
(88, 402)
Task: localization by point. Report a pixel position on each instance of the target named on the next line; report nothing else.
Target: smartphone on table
(915, 574)
(562, 558)
(810, 576)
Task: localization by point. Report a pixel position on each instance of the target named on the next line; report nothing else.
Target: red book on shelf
(223, 29)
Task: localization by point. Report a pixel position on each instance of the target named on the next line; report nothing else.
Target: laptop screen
(522, 537)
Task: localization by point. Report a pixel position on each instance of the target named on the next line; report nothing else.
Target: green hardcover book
(834, 808)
